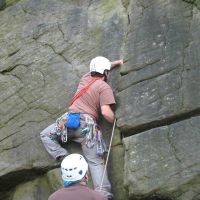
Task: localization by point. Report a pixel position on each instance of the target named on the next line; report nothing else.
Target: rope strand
(104, 171)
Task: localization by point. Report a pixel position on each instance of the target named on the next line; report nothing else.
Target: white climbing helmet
(73, 167)
(99, 64)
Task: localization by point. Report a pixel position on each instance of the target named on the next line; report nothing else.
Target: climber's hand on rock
(116, 63)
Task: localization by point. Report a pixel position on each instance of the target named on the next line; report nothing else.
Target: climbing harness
(104, 171)
(101, 145)
(93, 135)
(89, 128)
(61, 130)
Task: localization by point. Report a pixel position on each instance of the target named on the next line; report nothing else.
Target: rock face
(45, 48)
(165, 160)
(160, 77)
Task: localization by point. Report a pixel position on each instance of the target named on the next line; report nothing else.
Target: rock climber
(74, 171)
(79, 124)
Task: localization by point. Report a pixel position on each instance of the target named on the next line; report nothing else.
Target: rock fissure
(60, 29)
(11, 68)
(128, 131)
(134, 83)
(10, 180)
(59, 54)
(11, 147)
(173, 147)
(1, 140)
(13, 53)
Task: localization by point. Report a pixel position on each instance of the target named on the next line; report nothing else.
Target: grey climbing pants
(52, 143)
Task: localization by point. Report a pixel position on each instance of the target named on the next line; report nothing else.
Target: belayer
(93, 97)
(74, 171)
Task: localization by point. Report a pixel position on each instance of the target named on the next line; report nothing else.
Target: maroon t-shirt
(98, 94)
(76, 192)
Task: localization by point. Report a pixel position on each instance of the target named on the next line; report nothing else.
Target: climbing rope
(104, 171)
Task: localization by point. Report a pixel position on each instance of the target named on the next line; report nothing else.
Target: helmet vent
(80, 172)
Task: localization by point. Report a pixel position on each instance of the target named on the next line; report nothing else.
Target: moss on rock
(6, 3)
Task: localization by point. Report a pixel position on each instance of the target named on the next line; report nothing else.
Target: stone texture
(116, 172)
(2, 4)
(39, 188)
(6, 3)
(164, 161)
(45, 47)
(156, 82)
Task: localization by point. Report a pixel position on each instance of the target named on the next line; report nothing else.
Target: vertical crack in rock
(129, 21)
(125, 4)
(172, 146)
(60, 29)
(42, 30)
(64, 58)
(59, 54)
(185, 48)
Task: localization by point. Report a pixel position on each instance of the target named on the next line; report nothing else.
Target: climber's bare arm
(107, 113)
(116, 63)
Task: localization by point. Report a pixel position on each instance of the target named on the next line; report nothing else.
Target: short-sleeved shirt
(76, 192)
(98, 94)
